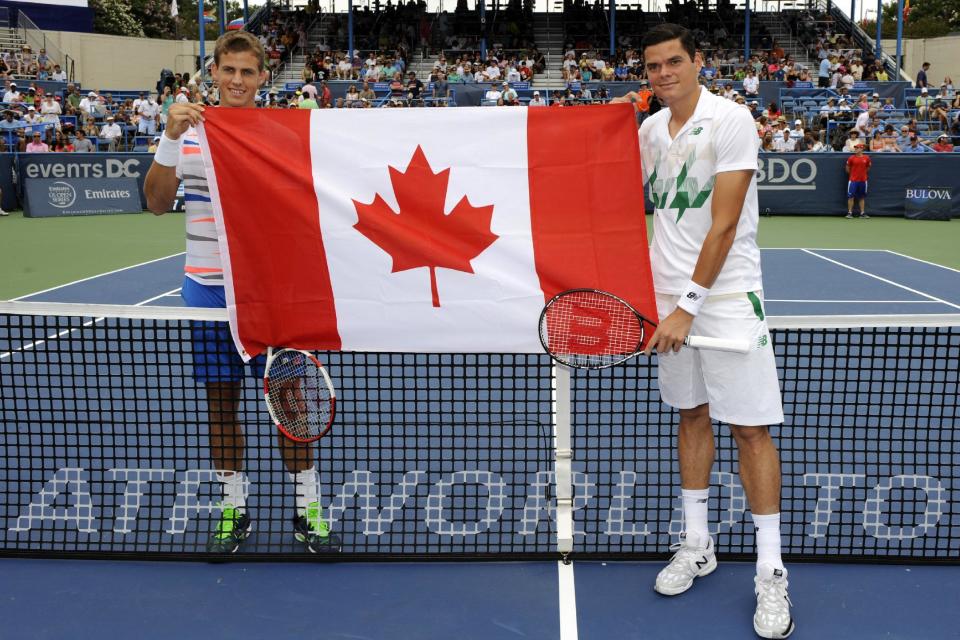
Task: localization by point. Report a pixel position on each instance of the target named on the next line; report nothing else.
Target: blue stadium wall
(52, 17)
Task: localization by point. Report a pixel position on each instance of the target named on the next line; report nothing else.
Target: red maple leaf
(421, 234)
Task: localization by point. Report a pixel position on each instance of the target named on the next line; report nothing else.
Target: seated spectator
(889, 138)
(751, 84)
(784, 143)
(396, 88)
(36, 144)
(797, 132)
(915, 145)
(62, 144)
(441, 90)
(767, 143)
(940, 111)
(111, 134)
(11, 121)
(903, 137)
(509, 96)
(773, 111)
(923, 103)
(58, 75)
(942, 145)
(367, 95)
(82, 143)
(853, 140)
(876, 142)
(351, 96)
(50, 110)
(536, 100)
(414, 89)
(493, 95)
(31, 117)
(11, 95)
(90, 127)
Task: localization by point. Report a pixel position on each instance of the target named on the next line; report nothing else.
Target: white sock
(695, 510)
(308, 488)
(768, 540)
(235, 486)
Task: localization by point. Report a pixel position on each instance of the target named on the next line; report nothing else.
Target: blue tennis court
(545, 599)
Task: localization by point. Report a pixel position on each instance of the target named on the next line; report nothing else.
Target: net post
(563, 474)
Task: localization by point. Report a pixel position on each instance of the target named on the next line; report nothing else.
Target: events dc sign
(83, 183)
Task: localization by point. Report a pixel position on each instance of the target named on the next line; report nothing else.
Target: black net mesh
(104, 450)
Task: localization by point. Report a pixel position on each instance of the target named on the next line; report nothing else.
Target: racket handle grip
(718, 344)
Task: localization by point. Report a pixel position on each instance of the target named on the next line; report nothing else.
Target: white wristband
(692, 298)
(168, 152)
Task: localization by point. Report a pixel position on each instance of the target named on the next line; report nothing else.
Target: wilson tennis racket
(299, 395)
(591, 329)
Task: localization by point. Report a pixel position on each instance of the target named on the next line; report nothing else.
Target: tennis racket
(299, 395)
(591, 329)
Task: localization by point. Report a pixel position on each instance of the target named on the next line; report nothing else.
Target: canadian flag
(428, 230)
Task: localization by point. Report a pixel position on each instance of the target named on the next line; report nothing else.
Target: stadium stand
(830, 83)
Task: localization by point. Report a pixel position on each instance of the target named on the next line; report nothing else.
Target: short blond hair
(238, 42)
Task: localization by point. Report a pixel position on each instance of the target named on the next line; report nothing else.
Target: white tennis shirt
(680, 173)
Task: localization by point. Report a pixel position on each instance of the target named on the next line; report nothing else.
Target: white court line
(876, 277)
(37, 343)
(99, 275)
(815, 249)
(568, 601)
(932, 264)
(857, 301)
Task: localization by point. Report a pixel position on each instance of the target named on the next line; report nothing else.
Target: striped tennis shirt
(203, 253)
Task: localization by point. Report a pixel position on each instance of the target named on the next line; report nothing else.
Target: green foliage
(927, 19)
(114, 17)
(155, 17)
(152, 19)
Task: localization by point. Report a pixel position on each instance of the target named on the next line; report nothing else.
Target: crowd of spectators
(24, 64)
(87, 121)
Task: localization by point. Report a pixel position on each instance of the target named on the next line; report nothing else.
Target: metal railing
(37, 39)
(861, 39)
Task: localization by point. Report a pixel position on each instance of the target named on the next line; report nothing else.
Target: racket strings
(591, 329)
(299, 396)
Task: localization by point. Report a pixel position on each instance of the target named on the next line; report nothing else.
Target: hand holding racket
(299, 395)
(591, 329)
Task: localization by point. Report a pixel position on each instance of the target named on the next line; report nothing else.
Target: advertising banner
(927, 203)
(90, 183)
(47, 198)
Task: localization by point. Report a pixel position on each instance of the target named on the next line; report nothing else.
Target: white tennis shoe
(772, 619)
(693, 559)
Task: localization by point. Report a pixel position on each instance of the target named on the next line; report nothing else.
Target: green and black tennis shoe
(234, 527)
(311, 529)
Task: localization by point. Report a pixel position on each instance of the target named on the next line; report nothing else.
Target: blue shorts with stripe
(856, 189)
(215, 357)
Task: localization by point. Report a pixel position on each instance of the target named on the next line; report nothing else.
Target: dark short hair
(669, 31)
(238, 42)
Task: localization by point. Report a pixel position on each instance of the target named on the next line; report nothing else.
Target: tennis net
(104, 449)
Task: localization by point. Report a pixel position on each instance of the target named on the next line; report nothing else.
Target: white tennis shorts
(741, 389)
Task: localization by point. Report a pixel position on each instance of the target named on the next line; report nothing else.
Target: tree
(154, 16)
(927, 19)
(152, 19)
(114, 17)
(188, 17)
